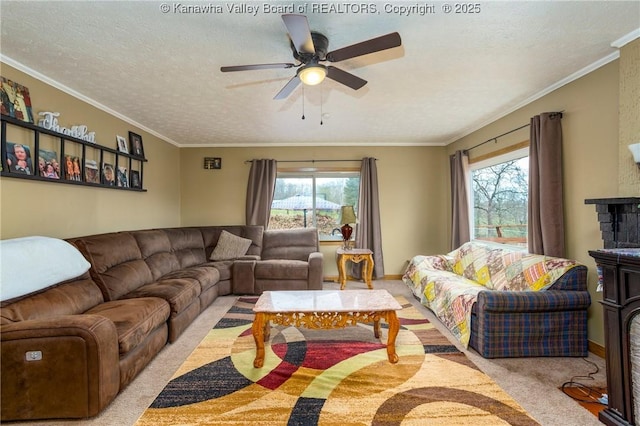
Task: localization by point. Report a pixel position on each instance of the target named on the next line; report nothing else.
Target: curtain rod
(495, 138)
(311, 161)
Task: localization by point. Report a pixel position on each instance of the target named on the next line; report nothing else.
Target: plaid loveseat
(504, 302)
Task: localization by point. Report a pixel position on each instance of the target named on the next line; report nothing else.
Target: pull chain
(321, 92)
(303, 102)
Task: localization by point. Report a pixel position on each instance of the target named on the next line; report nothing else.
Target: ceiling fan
(310, 48)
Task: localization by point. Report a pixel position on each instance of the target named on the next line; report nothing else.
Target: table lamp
(347, 216)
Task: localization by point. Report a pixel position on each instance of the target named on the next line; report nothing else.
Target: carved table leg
(258, 329)
(368, 271)
(342, 272)
(394, 327)
(376, 328)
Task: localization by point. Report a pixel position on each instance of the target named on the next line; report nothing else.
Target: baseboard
(596, 349)
(393, 277)
(334, 278)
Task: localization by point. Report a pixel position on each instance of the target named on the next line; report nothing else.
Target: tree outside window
(500, 196)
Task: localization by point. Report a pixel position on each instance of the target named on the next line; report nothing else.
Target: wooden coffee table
(325, 309)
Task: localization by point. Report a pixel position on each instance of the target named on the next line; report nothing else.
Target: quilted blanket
(449, 284)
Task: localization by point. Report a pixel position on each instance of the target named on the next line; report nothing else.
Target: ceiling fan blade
(255, 67)
(300, 33)
(345, 78)
(363, 48)
(288, 88)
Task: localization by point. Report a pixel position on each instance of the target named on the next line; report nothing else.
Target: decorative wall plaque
(50, 122)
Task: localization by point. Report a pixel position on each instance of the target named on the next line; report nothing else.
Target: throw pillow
(230, 247)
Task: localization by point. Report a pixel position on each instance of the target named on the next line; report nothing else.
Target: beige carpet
(532, 382)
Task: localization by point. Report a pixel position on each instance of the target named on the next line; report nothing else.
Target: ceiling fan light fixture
(312, 74)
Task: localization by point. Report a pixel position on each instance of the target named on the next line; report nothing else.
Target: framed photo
(72, 168)
(122, 144)
(108, 175)
(135, 143)
(91, 173)
(16, 101)
(134, 179)
(48, 165)
(212, 163)
(121, 177)
(19, 159)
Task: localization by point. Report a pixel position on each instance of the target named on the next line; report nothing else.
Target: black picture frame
(134, 179)
(135, 145)
(212, 163)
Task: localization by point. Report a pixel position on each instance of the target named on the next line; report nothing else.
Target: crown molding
(572, 77)
(626, 39)
(56, 84)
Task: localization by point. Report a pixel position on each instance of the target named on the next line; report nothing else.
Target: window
(313, 199)
(499, 187)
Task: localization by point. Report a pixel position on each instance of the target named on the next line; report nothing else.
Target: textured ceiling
(453, 73)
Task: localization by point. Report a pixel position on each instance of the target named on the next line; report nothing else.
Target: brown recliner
(290, 260)
(66, 353)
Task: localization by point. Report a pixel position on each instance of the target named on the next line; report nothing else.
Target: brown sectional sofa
(68, 350)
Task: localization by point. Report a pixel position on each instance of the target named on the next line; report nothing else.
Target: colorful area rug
(330, 377)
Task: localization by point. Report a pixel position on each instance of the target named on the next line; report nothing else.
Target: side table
(355, 255)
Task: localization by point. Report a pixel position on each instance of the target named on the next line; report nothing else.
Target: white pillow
(30, 264)
(230, 247)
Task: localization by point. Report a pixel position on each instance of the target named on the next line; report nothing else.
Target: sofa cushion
(187, 245)
(230, 247)
(206, 276)
(223, 267)
(280, 269)
(117, 264)
(508, 269)
(295, 244)
(72, 297)
(155, 248)
(135, 319)
(178, 292)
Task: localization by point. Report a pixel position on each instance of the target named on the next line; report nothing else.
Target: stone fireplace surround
(619, 267)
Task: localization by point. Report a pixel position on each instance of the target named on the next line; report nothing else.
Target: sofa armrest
(315, 271)
(243, 278)
(59, 367)
(532, 301)
(575, 279)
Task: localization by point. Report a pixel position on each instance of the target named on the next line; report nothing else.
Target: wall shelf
(64, 145)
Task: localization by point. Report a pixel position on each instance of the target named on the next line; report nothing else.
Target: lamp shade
(635, 151)
(312, 74)
(347, 215)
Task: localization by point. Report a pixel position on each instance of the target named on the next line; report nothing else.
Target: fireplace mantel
(619, 221)
(620, 271)
(620, 274)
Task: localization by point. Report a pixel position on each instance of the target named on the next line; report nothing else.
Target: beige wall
(590, 159)
(61, 210)
(628, 171)
(412, 192)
